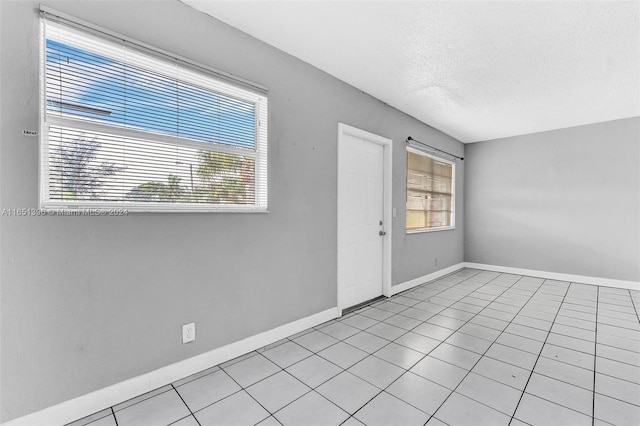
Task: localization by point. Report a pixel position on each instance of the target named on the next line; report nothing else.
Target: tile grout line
(343, 370)
(389, 299)
(141, 400)
(494, 341)
(400, 313)
(633, 303)
(443, 341)
(407, 331)
(484, 353)
(601, 344)
(423, 300)
(425, 355)
(185, 404)
(595, 358)
(540, 354)
(114, 415)
(317, 353)
(406, 307)
(242, 388)
(566, 363)
(311, 389)
(576, 366)
(616, 325)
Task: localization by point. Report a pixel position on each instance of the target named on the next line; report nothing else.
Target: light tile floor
(472, 348)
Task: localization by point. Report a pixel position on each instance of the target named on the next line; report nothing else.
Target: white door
(360, 215)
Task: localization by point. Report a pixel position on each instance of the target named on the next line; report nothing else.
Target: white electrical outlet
(189, 332)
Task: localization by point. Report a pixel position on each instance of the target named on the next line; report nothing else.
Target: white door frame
(387, 145)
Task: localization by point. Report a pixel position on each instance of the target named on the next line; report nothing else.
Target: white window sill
(421, 231)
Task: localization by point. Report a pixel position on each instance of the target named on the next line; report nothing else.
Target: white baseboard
(425, 278)
(605, 282)
(90, 403)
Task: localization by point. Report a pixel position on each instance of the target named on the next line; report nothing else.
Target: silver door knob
(382, 233)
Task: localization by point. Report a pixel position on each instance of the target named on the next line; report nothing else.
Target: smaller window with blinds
(127, 126)
(430, 192)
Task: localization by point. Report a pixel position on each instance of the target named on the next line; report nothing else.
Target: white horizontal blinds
(130, 128)
(429, 192)
(100, 167)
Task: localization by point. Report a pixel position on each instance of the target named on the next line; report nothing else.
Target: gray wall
(90, 301)
(562, 201)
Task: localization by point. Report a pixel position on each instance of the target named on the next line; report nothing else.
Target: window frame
(453, 192)
(235, 87)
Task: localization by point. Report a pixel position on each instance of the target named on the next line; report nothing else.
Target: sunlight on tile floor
(472, 348)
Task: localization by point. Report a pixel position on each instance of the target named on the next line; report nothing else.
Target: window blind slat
(92, 85)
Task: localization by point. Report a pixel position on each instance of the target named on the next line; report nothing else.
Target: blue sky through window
(90, 86)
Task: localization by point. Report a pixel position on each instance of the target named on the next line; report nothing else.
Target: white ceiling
(475, 70)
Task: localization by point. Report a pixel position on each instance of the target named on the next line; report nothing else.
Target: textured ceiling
(474, 70)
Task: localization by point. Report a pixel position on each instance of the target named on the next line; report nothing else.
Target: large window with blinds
(430, 192)
(127, 126)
